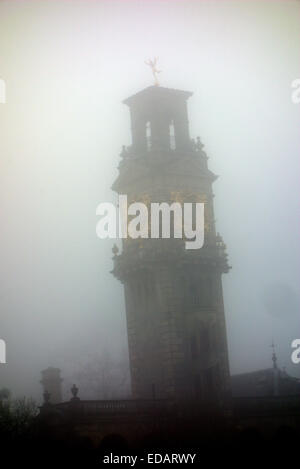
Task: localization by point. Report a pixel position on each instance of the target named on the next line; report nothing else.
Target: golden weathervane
(155, 72)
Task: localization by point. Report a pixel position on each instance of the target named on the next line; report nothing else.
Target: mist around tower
(149, 274)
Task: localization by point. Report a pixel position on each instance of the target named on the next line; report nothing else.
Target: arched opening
(172, 139)
(148, 136)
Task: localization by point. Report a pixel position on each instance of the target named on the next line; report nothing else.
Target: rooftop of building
(153, 92)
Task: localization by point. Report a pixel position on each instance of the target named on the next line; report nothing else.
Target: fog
(67, 66)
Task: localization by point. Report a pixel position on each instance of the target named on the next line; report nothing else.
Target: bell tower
(174, 299)
(159, 119)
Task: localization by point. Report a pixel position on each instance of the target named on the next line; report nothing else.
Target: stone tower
(51, 382)
(174, 300)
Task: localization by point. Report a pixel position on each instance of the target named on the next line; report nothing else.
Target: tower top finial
(155, 71)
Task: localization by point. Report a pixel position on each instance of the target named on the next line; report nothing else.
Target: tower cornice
(153, 92)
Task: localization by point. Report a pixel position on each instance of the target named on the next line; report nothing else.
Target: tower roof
(154, 92)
